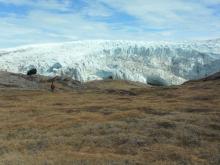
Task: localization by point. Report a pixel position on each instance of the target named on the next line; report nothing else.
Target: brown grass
(111, 122)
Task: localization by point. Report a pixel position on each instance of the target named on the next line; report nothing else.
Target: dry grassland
(111, 122)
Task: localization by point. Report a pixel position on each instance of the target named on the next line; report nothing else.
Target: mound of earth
(215, 76)
(13, 80)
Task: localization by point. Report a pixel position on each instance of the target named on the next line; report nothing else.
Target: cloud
(67, 20)
(165, 13)
(40, 4)
(211, 1)
(186, 17)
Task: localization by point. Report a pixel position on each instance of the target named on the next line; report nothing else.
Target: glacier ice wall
(161, 63)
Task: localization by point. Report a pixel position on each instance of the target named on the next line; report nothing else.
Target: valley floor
(111, 122)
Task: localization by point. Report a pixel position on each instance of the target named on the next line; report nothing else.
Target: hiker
(52, 86)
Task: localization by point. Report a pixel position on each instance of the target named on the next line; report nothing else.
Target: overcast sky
(41, 21)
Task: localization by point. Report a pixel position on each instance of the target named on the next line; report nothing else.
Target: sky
(44, 21)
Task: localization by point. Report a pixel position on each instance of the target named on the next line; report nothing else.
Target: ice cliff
(160, 63)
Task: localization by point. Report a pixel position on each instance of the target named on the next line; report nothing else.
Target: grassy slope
(114, 123)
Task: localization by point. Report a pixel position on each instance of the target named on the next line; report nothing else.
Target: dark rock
(32, 72)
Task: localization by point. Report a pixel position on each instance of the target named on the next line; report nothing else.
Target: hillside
(108, 122)
(36, 82)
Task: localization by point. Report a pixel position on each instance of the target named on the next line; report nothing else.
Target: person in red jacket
(52, 86)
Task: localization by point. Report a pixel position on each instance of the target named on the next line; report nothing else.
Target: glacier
(158, 63)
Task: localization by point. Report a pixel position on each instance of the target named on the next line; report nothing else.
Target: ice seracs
(158, 63)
